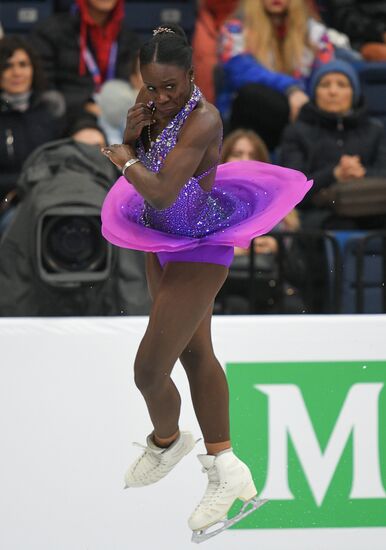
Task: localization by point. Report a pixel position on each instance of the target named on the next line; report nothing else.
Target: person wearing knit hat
(85, 47)
(341, 67)
(334, 141)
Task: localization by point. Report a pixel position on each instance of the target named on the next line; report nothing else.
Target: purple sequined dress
(248, 199)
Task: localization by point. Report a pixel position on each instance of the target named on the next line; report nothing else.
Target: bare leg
(183, 295)
(208, 387)
(179, 326)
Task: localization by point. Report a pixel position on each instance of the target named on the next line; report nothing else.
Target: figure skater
(166, 204)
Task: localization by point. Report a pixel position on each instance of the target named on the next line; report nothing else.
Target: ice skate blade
(201, 535)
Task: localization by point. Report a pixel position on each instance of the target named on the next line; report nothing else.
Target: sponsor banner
(307, 397)
(314, 434)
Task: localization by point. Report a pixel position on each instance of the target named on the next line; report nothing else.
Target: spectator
(333, 141)
(268, 57)
(364, 21)
(84, 48)
(115, 99)
(91, 134)
(247, 145)
(84, 131)
(210, 17)
(29, 115)
(244, 145)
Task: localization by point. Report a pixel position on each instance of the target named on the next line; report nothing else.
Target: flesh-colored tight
(179, 327)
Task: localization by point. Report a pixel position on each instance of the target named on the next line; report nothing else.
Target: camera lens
(72, 243)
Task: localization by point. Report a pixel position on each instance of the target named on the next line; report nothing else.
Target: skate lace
(159, 463)
(213, 491)
(144, 447)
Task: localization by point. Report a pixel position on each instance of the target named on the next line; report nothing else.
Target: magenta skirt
(207, 254)
(268, 193)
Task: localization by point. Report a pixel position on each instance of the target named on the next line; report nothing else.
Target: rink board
(69, 411)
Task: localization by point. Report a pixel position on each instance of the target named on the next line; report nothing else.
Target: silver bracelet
(130, 162)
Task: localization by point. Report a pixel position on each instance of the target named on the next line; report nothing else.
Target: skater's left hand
(118, 154)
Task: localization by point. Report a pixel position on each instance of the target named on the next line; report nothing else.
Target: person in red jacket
(211, 16)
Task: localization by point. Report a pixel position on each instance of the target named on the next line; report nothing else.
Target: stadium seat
(363, 271)
(21, 15)
(144, 16)
(373, 82)
(63, 5)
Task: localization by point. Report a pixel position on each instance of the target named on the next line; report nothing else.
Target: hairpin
(160, 30)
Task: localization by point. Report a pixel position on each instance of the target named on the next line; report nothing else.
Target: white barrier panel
(308, 407)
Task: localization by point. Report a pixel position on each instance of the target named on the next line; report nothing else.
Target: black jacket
(57, 41)
(317, 140)
(22, 132)
(362, 20)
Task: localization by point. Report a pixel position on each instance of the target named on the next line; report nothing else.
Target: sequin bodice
(195, 212)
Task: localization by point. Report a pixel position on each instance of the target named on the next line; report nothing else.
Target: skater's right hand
(138, 116)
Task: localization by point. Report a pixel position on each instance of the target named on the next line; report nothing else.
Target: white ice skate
(229, 479)
(155, 462)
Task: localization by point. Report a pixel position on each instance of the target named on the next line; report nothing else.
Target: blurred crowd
(286, 75)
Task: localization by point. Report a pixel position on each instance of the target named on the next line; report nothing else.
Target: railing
(332, 273)
(360, 268)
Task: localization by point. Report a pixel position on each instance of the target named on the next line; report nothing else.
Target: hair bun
(169, 31)
(169, 44)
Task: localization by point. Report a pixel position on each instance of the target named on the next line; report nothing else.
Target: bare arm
(200, 131)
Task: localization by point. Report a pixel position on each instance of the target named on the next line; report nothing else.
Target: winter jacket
(57, 41)
(240, 67)
(362, 20)
(22, 132)
(315, 143)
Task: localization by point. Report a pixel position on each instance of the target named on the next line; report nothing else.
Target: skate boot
(229, 479)
(156, 462)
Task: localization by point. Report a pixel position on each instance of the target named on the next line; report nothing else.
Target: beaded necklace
(155, 156)
(151, 143)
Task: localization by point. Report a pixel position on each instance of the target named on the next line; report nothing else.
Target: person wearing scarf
(100, 28)
(83, 48)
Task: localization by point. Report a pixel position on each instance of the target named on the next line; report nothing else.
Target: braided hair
(169, 45)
